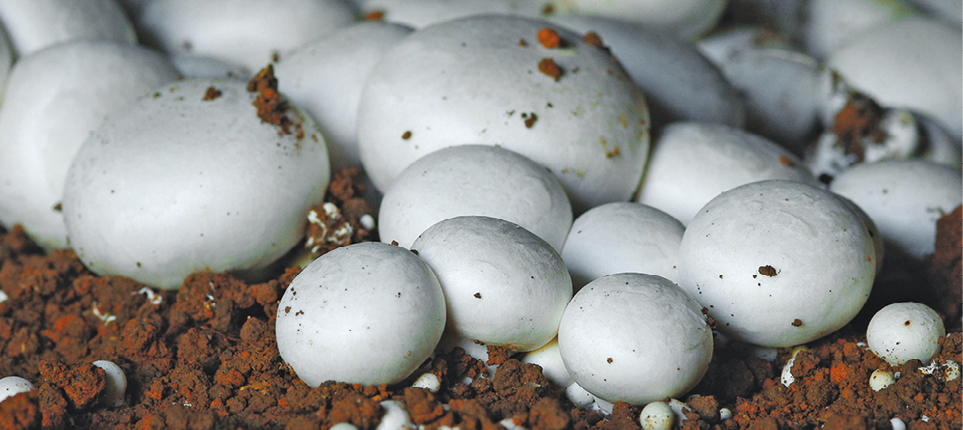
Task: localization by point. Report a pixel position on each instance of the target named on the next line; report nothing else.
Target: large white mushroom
(904, 199)
(635, 338)
(913, 63)
(778, 263)
(325, 77)
(55, 98)
(488, 80)
(475, 180)
(680, 84)
(504, 286)
(368, 313)
(248, 33)
(686, 19)
(693, 162)
(191, 179)
(35, 24)
(623, 237)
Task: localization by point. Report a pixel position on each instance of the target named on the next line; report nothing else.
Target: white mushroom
(36, 24)
(880, 379)
(686, 19)
(54, 100)
(693, 162)
(478, 80)
(475, 180)
(904, 199)
(504, 286)
(635, 338)
(622, 237)
(778, 263)
(656, 416)
(679, 83)
(420, 13)
(190, 179)
(913, 63)
(901, 332)
(368, 313)
(116, 383)
(247, 33)
(831, 23)
(12, 385)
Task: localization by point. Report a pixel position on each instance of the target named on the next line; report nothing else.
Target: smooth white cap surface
(36, 24)
(12, 385)
(901, 332)
(904, 200)
(176, 184)
(368, 313)
(54, 100)
(470, 81)
(475, 180)
(623, 237)
(778, 263)
(693, 163)
(504, 286)
(686, 19)
(656, 416)
(116, 383)
(635, 338)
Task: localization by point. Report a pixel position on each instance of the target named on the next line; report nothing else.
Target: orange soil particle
(271, 108)
(858, 119)
(593, 39)
(211, 94)
(549, 38)
(375, 15)
(548, 67)
(786, 161)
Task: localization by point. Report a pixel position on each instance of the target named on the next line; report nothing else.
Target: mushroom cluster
(603, 186)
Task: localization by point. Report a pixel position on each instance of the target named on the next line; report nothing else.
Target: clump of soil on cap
(205, 357)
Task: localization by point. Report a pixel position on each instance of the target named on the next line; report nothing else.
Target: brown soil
(205, 357)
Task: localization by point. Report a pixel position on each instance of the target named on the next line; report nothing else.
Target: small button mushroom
(12, 385)
(504, 286)
(578, 396)
(693, 162)
(247, 33)
(502, 184)
(368, 313)
(679, 83)
(55, 99)
(191, 179)
(912, 63)
(116, 383)
(622, 237)
(428, 381)
(904, 199)
(901, 332)
(36, 24)
(395, 417)
(656, 416)
(471, 81)
(755, 253)
(881, 379)
(635, 338)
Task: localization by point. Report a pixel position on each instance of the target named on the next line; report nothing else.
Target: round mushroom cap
(420, 13)
(12, 385)
(679, 83)
(368, 313)
(622, 237)
(504, 286)
(904, 199)
(778, 263)
(248, 33)
(325, 78)
(478, 80)
(36, 24)
(475, 180)
(685, 19)
(55, 99)
(693, 162)
(912, 63)
(635, 338)
(901, 332)
(190, 179)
